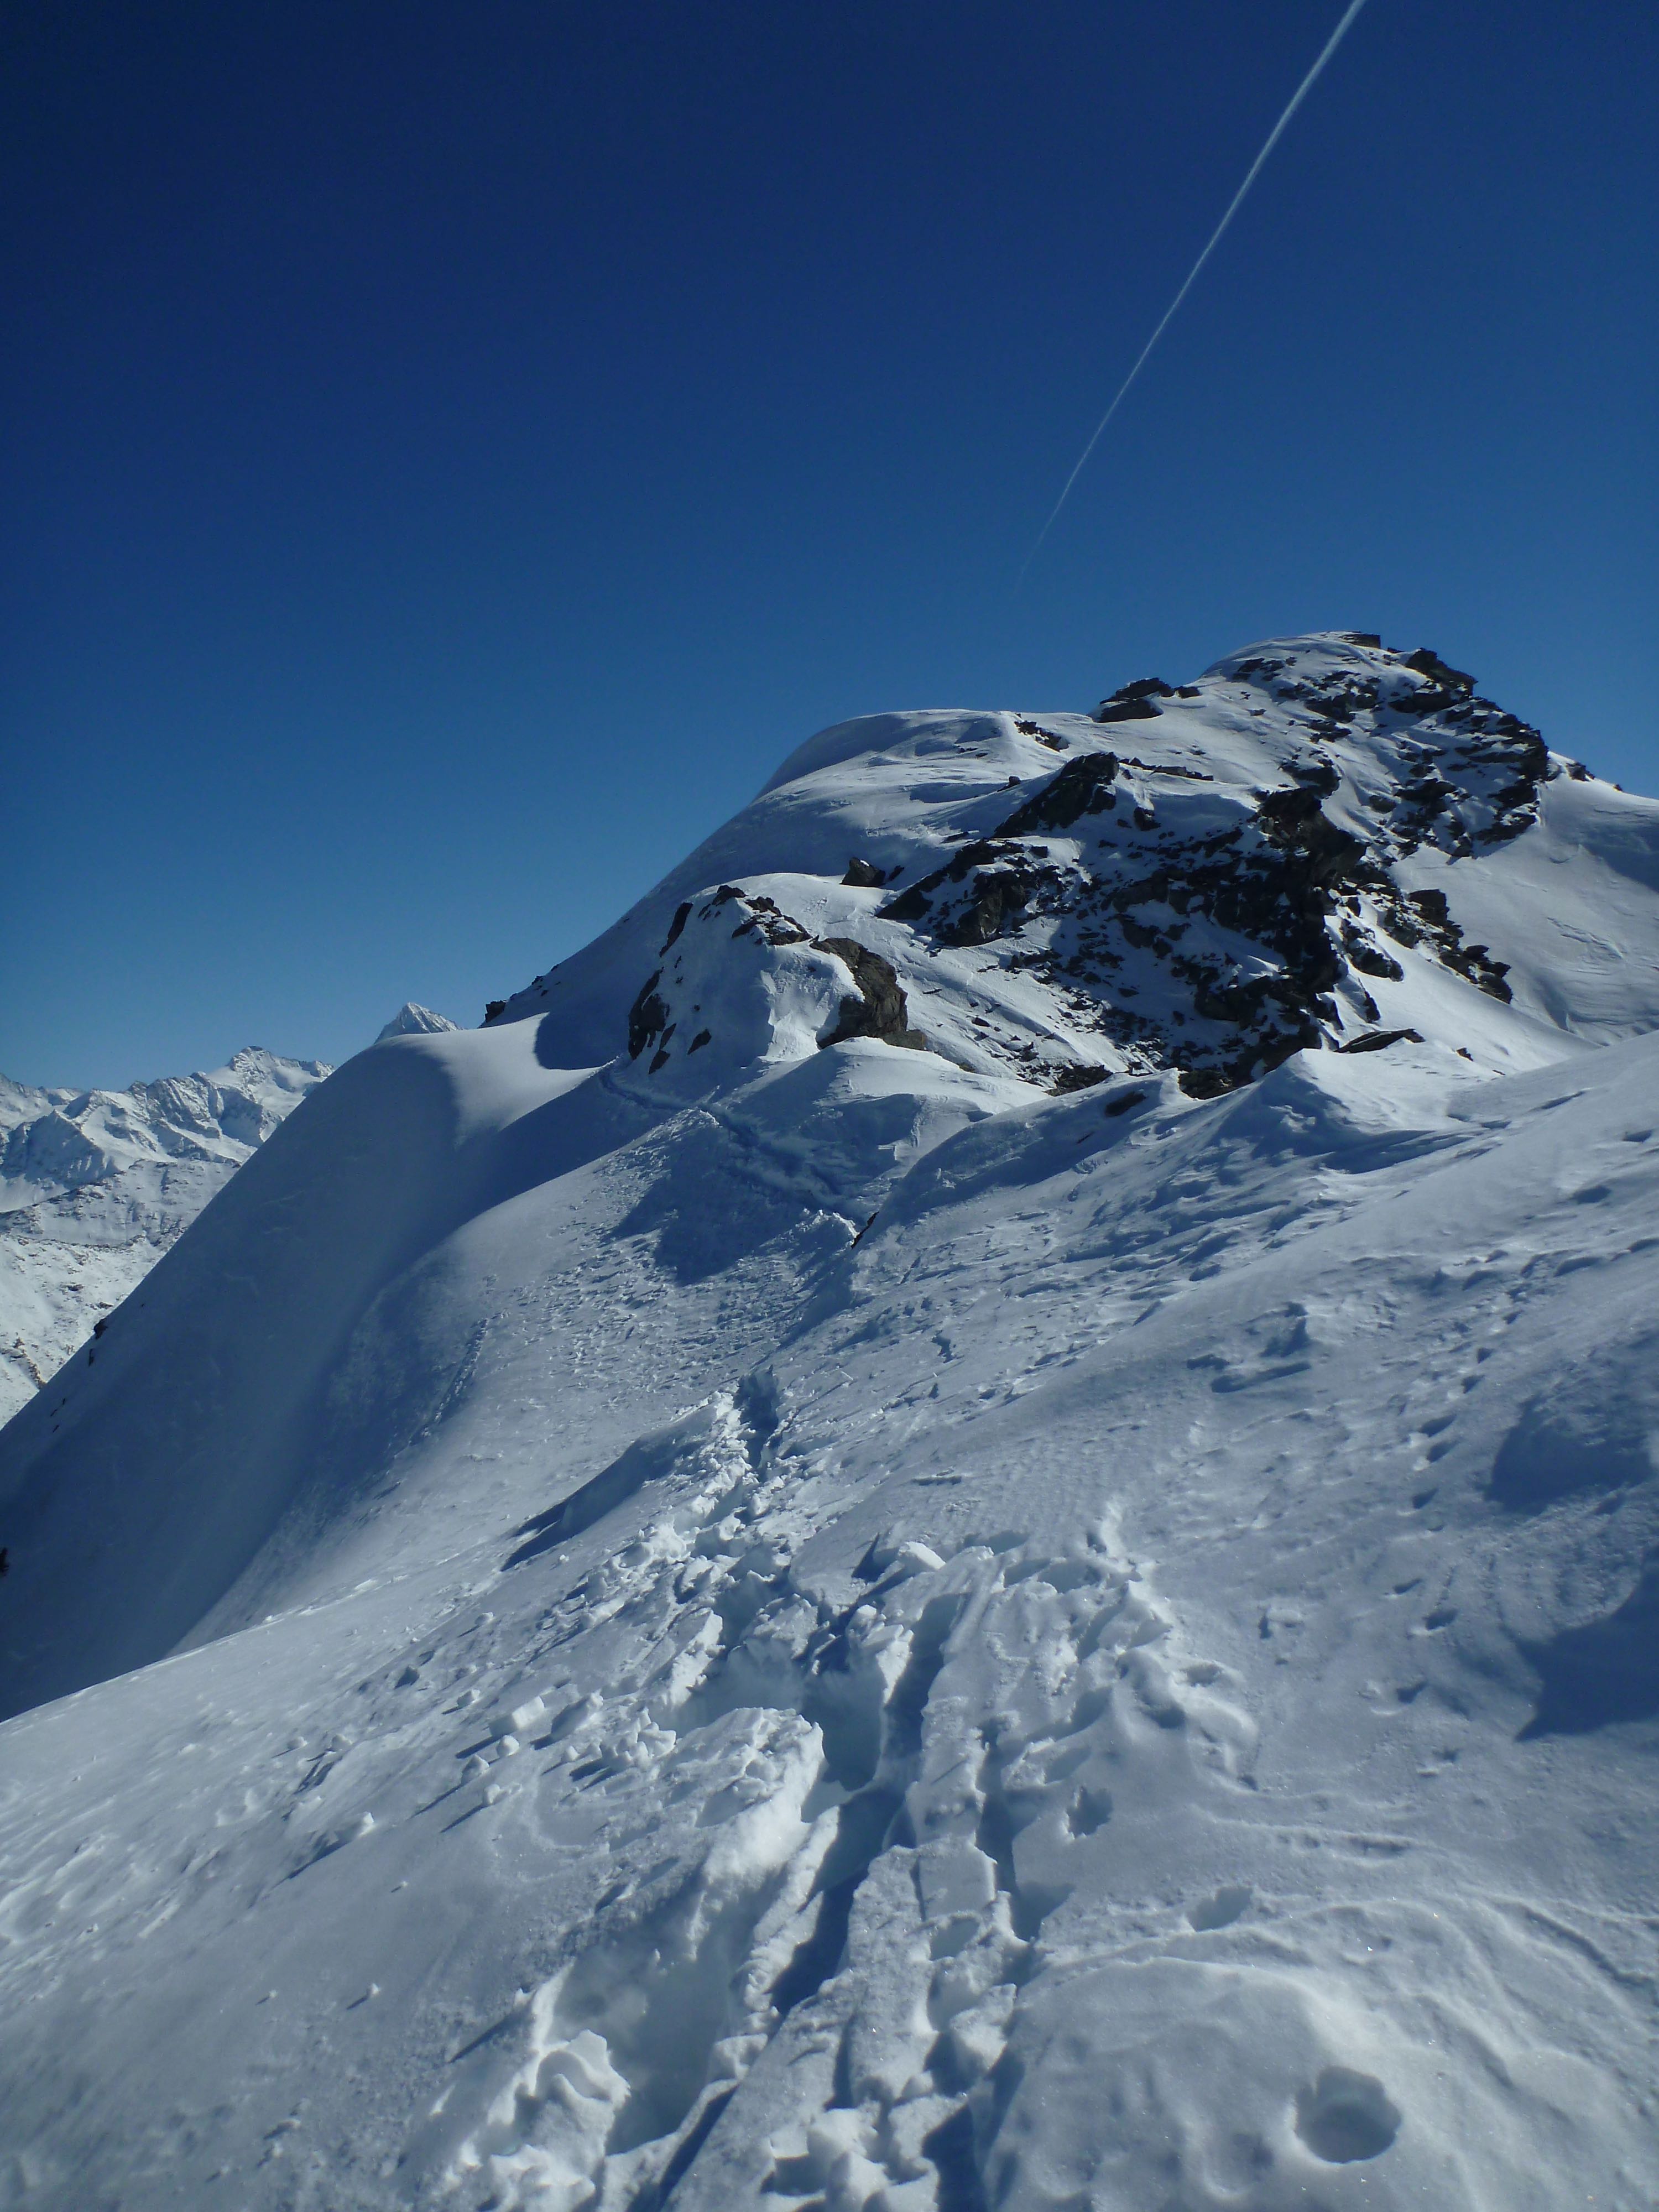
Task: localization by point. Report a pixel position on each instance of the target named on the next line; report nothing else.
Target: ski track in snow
(853, 1634)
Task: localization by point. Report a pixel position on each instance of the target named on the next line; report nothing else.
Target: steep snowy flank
(965, 1520)
(95, 1185)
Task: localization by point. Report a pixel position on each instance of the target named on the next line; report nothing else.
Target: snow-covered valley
(967, 1521)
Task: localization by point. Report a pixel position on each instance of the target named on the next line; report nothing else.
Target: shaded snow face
(896, 1607)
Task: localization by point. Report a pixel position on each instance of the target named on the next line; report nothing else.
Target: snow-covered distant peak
(95, 1185)
(411, 1020)
(58, 1139)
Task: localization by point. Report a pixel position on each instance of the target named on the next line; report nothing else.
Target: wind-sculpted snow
(829, 1621)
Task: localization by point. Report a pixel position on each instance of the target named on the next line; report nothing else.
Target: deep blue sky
(451, 453)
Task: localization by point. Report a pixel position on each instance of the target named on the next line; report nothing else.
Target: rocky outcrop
(879, 1009)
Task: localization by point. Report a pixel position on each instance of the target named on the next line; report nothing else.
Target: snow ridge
(967, 1519)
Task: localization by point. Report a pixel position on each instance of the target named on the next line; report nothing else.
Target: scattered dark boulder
(1318, 775)
(1049, 737)
(1429, 664)
(1206, 1082)
(648, 1018)
(1380, 1040)
(1296, 821)
(1365, 954)
(1135, 702)
(1125, 1103)
(880, 1010)
(1000, 897)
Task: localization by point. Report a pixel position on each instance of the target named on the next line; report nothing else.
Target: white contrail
(1254, 172)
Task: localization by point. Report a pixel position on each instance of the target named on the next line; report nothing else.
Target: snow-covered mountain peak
(1317, 843)
(967, 1519)
(411, 1020)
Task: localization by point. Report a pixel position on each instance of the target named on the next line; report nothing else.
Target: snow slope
(95, 1185)
(902, 1544)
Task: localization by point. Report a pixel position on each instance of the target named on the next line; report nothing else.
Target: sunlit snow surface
(828, 1627)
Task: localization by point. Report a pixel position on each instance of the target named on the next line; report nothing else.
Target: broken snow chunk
(518, 1720)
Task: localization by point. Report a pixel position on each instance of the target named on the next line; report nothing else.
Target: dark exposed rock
(880, 1011)
(702, 1038)
(767, 919)
(1428, 917)
(1081, 1077)
(1082, 787)
(1362, 637)
(864, 875)
(494, 1007)
(1125, 1103)
(1138, 709)
(1168, 768)
(1379, 1039)
(1055, 742)
(1206, 1082)
(1318, 775)
(1429, 664)
(1365, 954)
(910, 905)
(682, 915)
(648, 1018)
(999, 896)
(1296, 821)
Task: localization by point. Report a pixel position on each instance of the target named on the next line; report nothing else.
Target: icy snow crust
(95, 1185)
(839, 1624)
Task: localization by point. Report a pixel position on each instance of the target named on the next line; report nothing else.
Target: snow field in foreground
(815, 1620)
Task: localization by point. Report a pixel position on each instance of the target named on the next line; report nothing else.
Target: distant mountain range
(95, 1185)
